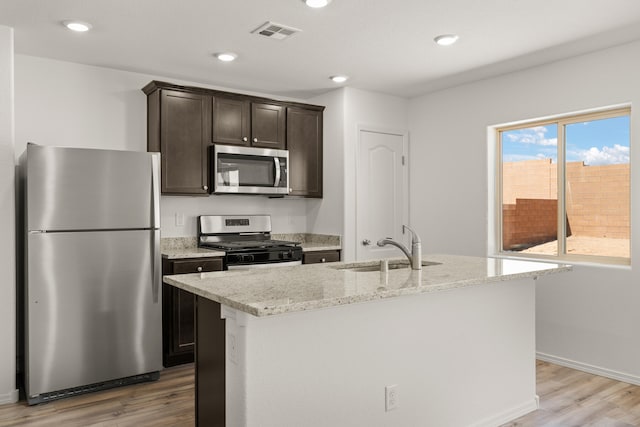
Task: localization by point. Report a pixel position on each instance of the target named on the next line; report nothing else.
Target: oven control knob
(248, 258)
(235, 258)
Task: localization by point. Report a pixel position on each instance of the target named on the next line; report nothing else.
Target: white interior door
(382, 201)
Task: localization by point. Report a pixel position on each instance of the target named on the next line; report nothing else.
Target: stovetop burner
(246, 240)
(231, 245)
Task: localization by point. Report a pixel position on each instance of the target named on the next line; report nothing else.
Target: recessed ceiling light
(226, 56)
(78, 26)
(446, 39)
(317, 3)
(339, 79)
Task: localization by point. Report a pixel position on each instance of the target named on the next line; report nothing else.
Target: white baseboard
(11, 397)
(596, 370)
(510, 414)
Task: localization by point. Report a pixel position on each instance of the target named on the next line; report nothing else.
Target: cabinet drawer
(197, 266)
(320, 257)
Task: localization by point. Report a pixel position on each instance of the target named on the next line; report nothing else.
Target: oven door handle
(276, 162)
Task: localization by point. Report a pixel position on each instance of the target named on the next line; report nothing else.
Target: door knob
(204, 187)
(366, 242)
(255, 139)
(245, 139)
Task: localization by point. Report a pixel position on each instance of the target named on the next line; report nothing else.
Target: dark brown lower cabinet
(178, 310)
(320, 257)
(210, 364)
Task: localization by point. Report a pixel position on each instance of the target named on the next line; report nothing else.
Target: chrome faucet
(415, 256)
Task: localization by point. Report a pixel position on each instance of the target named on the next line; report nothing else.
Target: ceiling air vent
(275, 31)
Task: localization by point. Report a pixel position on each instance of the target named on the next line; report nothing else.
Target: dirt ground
(582, 245)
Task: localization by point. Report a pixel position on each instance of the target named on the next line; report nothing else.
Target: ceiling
(384, 46)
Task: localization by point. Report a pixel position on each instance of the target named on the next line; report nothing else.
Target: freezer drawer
(93, 308)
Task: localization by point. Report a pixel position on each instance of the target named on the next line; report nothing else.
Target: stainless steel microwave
(249, 170)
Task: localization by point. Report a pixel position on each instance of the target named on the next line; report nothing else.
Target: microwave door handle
(276, 161)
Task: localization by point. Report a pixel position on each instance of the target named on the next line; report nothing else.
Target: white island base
(460, 357)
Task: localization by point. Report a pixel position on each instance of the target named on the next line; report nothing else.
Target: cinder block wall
(598, 201)
(529, 221)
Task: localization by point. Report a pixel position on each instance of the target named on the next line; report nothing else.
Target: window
(563, 188)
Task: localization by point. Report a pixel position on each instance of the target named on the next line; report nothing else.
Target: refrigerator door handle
(156, 271)
(156, 266)
(155, 191)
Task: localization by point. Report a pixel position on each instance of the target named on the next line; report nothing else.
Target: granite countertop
(310, 242)
(270, 291)
(190, 252)
(187, 247)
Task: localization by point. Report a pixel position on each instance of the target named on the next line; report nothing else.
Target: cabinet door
(185, 134)
(268, 123)
(178, 310)
(304, 142)
(183, 337)
(231, 121)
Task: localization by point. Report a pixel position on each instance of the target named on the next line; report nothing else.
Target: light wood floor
(568, 398)
(162, 403)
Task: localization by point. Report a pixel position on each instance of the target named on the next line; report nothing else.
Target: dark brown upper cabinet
(184, 121)
(304, 142)
(268, 125)
(231, 121)
(243, 122)
(179, 127)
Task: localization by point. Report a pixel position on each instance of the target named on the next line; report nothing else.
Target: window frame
(560, 122)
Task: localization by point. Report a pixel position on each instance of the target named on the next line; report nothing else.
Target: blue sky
(596, 142)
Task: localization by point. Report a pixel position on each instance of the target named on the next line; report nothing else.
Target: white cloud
(535, 135)
(604, 156)
(523, 157)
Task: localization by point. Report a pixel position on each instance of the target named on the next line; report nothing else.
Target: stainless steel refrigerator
(92, 270)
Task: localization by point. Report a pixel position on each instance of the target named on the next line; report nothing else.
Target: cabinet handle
(204, 187)
(255, 139)
(323, 260)
(245, 139)
(199, 269)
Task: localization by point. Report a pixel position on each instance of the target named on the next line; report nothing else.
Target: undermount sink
(367, 266)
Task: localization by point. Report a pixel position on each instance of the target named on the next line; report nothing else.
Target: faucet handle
(414, 236)
(382, 242)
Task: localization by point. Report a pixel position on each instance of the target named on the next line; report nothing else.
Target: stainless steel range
(246, 240)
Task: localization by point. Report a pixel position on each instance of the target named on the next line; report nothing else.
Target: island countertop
(270, 291)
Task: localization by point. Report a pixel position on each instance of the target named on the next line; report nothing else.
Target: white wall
(325, 216)
(464, 357)
(589, 318)
(67, 104)
(346, 109)
(8, 391)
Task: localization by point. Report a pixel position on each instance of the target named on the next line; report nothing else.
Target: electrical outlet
(391, 397)
(233, 348)
(179, 219)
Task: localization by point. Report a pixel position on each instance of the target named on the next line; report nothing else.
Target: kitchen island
(320, 345)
